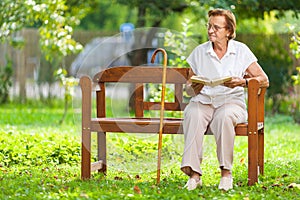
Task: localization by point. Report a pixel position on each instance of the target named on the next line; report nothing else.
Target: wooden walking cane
(162, 108)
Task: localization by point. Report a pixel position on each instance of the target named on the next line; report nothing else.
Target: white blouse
(204, 62)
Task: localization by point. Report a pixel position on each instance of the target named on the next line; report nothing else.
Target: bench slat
(150, 125)
(174, 106)
(141, 74)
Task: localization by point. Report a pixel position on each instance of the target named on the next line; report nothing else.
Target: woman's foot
(194, 181)
(226, 182)
(193, 184)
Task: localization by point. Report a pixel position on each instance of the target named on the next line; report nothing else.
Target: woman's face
(216, 29)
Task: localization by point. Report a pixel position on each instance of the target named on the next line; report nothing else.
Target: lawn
(40, 159)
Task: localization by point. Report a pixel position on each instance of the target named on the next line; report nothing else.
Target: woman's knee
(194, 111)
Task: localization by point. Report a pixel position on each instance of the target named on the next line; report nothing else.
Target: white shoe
(226, 183)
(193, 184)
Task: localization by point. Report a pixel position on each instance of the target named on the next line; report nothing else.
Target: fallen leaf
(137, 190)
(84, 195)
(264, 187)
(276, 185)
(240, 183)
(138, 177)
(118, 178)
(242, 160)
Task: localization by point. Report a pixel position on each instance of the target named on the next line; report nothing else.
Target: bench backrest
(139, 76)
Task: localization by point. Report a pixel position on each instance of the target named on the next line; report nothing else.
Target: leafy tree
(107, 16)
(154, 11)
(54, 18)
(255, 8)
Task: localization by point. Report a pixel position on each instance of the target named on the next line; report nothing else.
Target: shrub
(295, 47)
(5, 82)
(36, 149)
(276, 62)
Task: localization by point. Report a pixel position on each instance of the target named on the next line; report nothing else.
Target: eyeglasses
(214, 27)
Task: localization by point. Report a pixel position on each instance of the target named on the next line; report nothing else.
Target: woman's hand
(192, 89)
(234, 82)
(254, 71)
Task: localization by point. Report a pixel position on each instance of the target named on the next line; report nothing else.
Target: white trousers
(221, 122)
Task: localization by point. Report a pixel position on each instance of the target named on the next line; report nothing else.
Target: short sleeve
(248, 57)
(193, 59)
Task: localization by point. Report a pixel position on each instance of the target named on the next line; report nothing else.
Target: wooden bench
(139, 76)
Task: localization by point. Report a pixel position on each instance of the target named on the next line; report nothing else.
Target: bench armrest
(86, 89)
(255, 105)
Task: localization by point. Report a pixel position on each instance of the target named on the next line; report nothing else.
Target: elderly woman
(221, 107)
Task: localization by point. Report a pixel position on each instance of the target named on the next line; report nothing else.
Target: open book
(208, 82)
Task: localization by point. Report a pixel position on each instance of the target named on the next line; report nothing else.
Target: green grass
(40, 159)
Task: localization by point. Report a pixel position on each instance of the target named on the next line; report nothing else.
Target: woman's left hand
(234, 82)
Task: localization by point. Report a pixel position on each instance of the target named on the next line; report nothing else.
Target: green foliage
(280, 25)
(295, 42)
(290, 105)
(257, 26)
(36, 149)
(254, 8)
(296, 77)
(107, 16)
(180, 44)
(295, 47)
(275, 61)
(55, 20)
(13, 15)
(29, 136)
(151, 13)
(68, 84)
(5, 82)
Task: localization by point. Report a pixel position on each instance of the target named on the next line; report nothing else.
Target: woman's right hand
(192, 89)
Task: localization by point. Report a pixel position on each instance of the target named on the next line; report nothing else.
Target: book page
(213, 82)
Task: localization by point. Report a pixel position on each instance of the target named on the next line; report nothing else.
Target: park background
(35, 58)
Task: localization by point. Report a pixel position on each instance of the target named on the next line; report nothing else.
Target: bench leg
(252, 158)
(86, 154)
(261, 152)
(101, 140)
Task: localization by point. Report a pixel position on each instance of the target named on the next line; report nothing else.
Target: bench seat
(151, 125)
